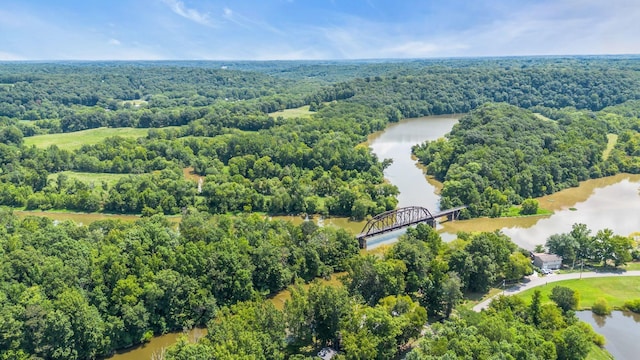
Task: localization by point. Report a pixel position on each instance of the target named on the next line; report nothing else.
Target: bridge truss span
(399, 218)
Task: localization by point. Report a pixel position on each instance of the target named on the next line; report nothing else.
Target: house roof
(547, 257)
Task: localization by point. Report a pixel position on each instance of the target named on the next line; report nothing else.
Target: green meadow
(74, 140)
(95, 178)
(301, 112)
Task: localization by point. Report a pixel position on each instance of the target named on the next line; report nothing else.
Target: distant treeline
(255, 162)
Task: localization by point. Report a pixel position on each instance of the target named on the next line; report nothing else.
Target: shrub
(633, 305)
(529, 207)
(601, 307)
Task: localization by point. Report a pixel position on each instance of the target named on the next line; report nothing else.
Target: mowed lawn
(616, 290)
(74, 140)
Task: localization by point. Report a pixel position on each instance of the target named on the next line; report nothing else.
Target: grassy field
(613, 139)
(616, 290)
(86, 218)
(95, 178)
(598, 353)
(514, 211)
(542, 117)
(301, 112)
(74, 140)
(632, 266)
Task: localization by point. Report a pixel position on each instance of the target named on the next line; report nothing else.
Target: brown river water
(612, 202)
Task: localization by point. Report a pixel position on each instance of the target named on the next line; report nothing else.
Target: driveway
(535, 280)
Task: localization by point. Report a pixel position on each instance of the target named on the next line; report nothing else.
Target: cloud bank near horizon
(316, 29)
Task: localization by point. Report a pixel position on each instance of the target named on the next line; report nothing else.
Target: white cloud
(115, 42)
(559, 28)
(248, 23)
(194, 15)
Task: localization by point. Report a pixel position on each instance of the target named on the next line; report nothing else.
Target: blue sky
(313, 29)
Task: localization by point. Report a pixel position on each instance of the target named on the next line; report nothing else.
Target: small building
(547, 261)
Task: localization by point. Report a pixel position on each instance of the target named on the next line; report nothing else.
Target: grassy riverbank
(616, 290)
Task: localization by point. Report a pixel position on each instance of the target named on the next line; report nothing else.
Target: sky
(313, 29)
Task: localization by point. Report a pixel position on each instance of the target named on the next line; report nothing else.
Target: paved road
(535, 280)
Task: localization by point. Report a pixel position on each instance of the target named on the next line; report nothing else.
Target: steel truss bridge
(399, 218)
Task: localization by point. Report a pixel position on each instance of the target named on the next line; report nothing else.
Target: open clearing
(135, 103)
(95, 178)
(542, 117)
(74, 140)
(301, 112)
(613, 139)
(616, 290)
(87, 218)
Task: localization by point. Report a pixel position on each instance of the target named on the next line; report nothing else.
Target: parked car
(546, 271)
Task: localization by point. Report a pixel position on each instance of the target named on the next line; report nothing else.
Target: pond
(621, 329)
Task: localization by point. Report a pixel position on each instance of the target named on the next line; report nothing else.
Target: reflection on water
(621, 329)
(352, 227)
(395, 143)
(611, 202)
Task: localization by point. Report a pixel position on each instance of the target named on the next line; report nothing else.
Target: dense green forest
(72, 291)
(219, 113)
(76, 292)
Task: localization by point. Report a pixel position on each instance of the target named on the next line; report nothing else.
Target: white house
(547, 261)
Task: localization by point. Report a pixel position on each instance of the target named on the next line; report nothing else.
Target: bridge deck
(428, 219)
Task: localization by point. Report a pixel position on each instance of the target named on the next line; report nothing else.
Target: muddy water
(156, 346)
(621, 329)
(612, 202)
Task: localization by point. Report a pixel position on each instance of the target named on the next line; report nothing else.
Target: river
(395, 143)
(155, 347)
(621, 330)
(611, 202)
